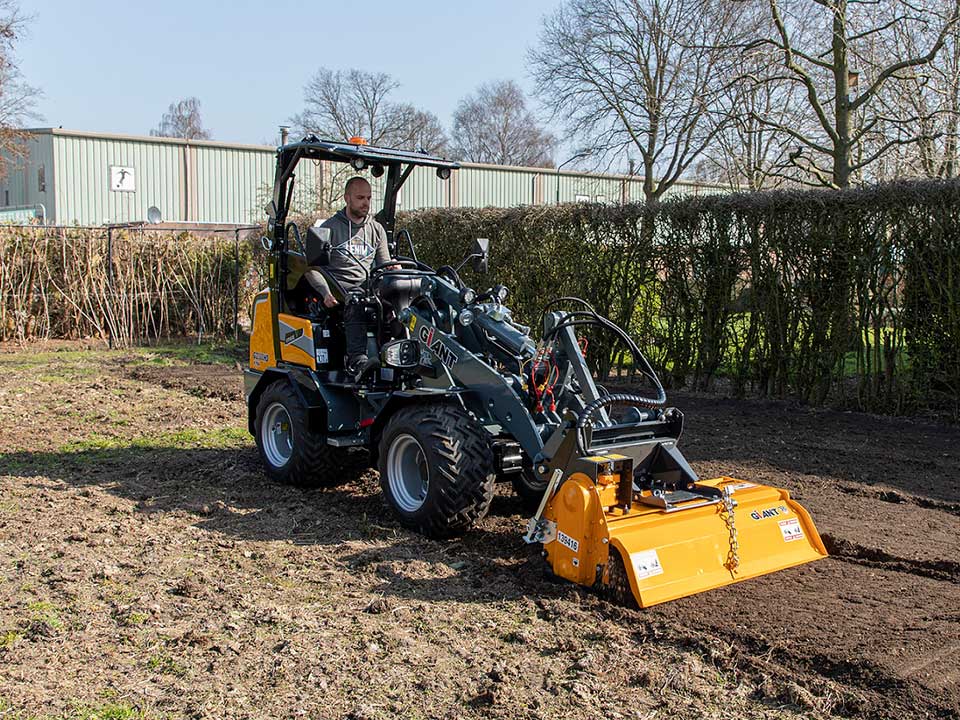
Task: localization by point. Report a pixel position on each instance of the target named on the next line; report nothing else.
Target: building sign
(122, 179)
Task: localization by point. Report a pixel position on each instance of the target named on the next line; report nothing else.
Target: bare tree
(747, 152)
(343, 104)
(494, 125)
(842, 56)
(18, 100)
(182, 120)
(638, 76)
(931, 95)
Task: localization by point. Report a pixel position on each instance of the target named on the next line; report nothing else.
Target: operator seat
(305, 298)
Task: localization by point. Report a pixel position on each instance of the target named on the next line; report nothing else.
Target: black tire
(311, 462)
(529, 488)
(436, 469)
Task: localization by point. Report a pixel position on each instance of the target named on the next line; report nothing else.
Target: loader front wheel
(436, 469)
(291, 452)
(529, 489)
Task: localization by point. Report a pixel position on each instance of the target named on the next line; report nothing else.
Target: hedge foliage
(848, 297)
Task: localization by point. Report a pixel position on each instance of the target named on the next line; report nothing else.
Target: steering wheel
(408, 268)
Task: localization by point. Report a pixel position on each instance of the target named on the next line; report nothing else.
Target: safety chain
(733, 555)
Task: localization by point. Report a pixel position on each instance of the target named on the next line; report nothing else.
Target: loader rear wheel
(291, 452)
(436, 469)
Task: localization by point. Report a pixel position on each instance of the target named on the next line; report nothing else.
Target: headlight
(465, 317)
(500, 292)
(400, 354)
(467, 296)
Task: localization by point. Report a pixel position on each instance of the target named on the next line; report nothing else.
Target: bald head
(356, 194)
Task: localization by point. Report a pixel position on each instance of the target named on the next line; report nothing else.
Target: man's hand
(330, 301)
(393, 267)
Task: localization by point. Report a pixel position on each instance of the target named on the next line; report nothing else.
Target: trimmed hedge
(848, 297)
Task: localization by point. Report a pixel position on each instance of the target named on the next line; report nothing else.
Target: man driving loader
(357, 243)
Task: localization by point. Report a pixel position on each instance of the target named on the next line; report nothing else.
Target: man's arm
(319, 283)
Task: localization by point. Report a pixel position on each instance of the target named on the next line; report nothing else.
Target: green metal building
(85, 178)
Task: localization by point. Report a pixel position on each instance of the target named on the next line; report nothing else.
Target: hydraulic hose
(586, 416)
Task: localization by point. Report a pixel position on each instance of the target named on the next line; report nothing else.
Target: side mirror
(400, 354)
(479, 259)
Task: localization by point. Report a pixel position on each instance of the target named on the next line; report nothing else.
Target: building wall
(209, 182)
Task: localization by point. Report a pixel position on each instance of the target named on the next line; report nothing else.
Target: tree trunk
(841, 74)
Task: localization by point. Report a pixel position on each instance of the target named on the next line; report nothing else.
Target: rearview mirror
(478, 261)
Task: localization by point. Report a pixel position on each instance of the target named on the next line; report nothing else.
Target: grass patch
(224, 353)
(107, 711)
(98, 448)
(9, 639)
(189, 438)
(132, 619)
(46, 613)
(166, 665)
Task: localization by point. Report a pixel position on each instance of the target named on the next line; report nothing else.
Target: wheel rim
(407, 473)
(276, 435)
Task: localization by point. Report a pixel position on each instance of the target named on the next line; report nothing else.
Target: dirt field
(148, 570)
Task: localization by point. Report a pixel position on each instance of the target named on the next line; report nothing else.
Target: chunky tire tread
(461, 463)
(314, 463)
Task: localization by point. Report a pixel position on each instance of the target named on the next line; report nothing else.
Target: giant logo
(431, 339)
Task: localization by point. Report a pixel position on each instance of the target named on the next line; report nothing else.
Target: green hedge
(847, 297)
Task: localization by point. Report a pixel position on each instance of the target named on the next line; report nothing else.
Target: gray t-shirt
(354, 249)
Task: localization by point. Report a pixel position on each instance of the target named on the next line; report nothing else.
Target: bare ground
(148, 569)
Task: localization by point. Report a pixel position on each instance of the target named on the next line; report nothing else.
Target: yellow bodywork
(296, 337)
(669, 555)
(262, 355)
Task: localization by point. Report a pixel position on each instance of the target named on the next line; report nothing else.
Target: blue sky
(113, 66)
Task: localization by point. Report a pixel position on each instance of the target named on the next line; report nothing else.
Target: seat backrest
(318, 246)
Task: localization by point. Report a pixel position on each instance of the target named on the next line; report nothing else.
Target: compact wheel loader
(465, 396)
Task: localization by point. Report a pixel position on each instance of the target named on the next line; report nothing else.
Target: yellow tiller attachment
(736, 530)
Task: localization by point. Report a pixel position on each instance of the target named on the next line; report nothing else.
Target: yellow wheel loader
(465, 396)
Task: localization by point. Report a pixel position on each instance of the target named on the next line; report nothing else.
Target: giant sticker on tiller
(791, 530)
(646, 564)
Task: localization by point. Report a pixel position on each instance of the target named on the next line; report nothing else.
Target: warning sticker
(568, 541)
(791, 530)
(646, 564)
(322, 356)
(741, 486)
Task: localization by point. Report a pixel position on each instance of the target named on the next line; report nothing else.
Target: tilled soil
(146, 564)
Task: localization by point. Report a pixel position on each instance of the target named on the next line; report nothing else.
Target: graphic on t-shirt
(357, 247)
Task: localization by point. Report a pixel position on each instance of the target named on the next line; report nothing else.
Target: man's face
(358, 199)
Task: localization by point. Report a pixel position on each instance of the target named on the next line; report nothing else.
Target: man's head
(357, 193)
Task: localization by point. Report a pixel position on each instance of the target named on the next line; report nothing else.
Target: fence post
(110, 287)
(236, 284)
